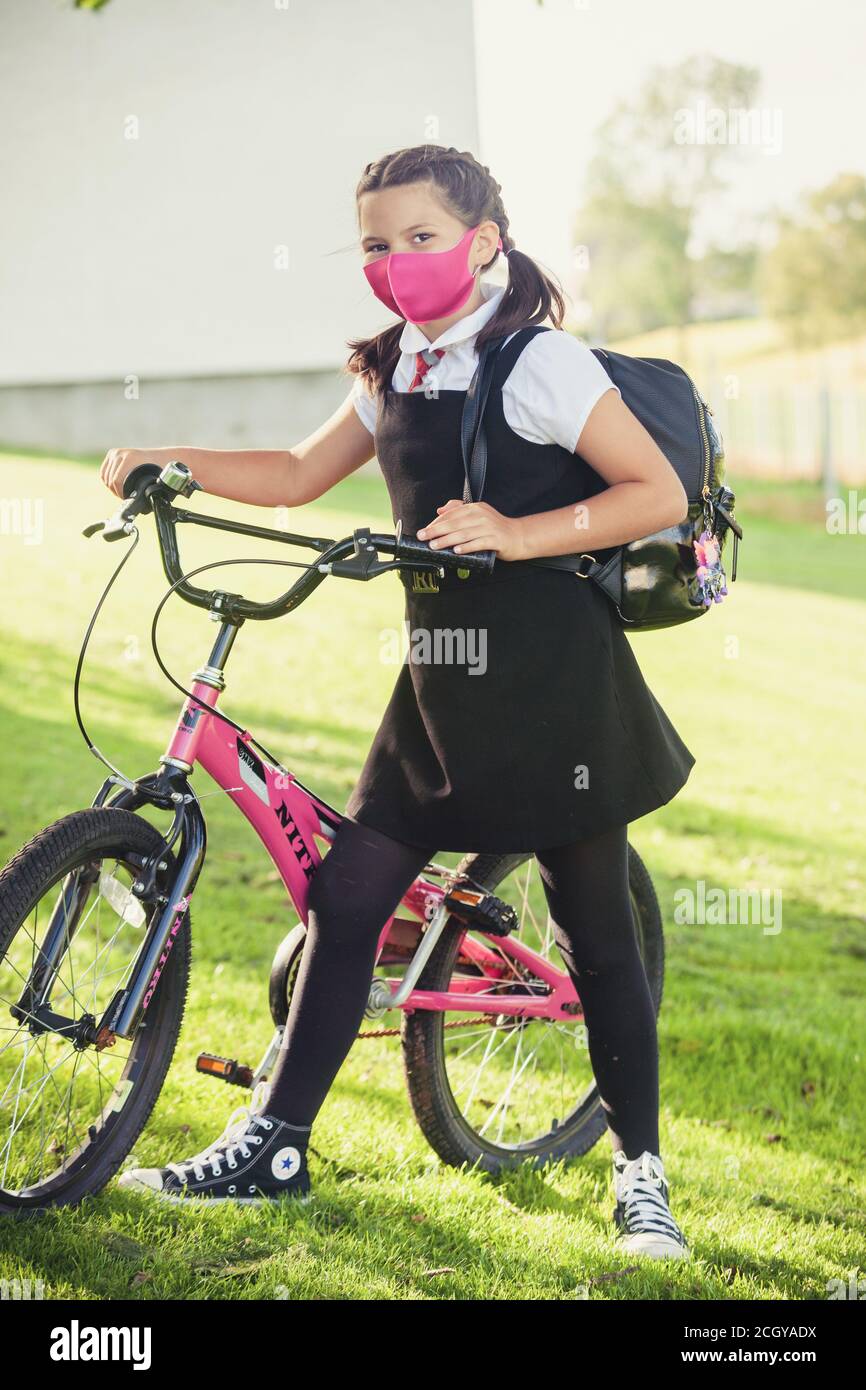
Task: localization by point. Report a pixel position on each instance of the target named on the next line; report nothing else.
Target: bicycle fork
(166, 789)
(173, 896)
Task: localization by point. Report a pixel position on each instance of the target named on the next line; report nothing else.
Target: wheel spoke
(58, 1090)
(517, 1081)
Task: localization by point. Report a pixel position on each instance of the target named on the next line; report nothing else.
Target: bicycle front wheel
(71, 1107)
(495, 1091)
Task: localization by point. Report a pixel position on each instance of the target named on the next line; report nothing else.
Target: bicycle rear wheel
(498, 1091)
(70, 1110)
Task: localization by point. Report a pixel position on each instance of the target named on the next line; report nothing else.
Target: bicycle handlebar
(149, 489)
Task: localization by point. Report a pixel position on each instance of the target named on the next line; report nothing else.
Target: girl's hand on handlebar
(469, 526)
(119, 463)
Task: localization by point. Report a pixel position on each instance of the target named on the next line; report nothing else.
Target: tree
(814, 278)
(646, 186)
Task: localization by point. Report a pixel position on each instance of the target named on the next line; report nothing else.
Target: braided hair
(469, 191)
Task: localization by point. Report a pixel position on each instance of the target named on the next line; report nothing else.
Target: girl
(560, 687)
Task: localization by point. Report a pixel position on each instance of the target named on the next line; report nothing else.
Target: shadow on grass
(42, 744)
(691, 819)
(343, 1244)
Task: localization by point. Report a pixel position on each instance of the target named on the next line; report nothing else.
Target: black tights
(360, 883)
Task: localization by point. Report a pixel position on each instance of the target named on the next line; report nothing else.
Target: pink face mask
(422, 286)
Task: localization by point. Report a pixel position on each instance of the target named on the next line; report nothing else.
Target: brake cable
(215, 564)
(190, 694)
(78, 669)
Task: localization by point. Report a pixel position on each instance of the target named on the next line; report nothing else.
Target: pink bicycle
(95, 930)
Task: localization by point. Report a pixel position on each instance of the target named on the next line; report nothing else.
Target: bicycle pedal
(481, 910)
(224, 1069)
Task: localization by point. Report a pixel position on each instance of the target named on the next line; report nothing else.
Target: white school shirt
(547, 396)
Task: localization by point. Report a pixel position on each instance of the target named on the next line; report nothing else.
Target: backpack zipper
(701, 405)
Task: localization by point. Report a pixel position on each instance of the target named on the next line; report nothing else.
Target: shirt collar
(412, 339)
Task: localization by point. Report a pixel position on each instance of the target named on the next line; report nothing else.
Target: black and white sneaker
(642, 1216)
(256, 1159)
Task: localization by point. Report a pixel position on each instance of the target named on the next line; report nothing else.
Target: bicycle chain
(395, 1032)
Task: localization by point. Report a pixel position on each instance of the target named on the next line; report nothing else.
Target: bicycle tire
(422, 1035)
(40, 865)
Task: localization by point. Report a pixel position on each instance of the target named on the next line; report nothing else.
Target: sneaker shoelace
(237, 1137)
(642, 1191)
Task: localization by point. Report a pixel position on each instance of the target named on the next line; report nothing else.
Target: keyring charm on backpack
(710, 578)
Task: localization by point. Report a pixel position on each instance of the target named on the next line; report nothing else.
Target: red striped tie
(422, 367)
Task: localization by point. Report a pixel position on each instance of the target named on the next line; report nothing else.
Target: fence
(792, 432)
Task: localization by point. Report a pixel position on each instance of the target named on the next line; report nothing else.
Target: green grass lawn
(762, 1035)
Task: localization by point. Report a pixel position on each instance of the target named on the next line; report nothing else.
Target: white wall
(155, 256)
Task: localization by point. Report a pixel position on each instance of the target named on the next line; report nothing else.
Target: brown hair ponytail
(469, 191)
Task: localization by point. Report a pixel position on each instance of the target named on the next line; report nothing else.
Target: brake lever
(365, 563)
(113, 529)
(117, 527)
(138, 504)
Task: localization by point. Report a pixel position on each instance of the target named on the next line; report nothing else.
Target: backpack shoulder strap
(494, 364)
(508, 355)
(473, 444)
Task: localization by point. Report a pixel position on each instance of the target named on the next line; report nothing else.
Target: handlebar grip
(140, 477)
(484, 560)
(481, 562)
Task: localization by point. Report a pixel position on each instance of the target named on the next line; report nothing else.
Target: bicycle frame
(295, 825)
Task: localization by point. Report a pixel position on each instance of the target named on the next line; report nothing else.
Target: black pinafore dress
(520, 720)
